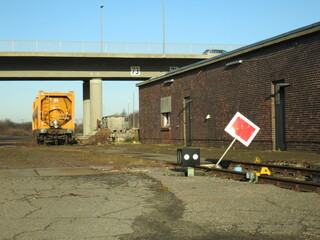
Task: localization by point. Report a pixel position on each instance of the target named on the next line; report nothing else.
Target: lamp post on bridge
(163, 30)
(101, 28)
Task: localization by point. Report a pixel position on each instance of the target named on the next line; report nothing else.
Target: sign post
(242, 129)
(217, 164)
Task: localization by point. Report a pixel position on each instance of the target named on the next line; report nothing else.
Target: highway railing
(109, 47)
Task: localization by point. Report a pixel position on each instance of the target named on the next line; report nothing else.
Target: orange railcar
(53, 118)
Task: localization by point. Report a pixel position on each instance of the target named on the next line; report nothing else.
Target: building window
(166, 119)
(165, 110)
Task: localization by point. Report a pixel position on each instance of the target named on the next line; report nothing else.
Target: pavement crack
(32, 205)
(118, 211)
(36, 171)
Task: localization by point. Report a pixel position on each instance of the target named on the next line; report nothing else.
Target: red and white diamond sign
(242, 129)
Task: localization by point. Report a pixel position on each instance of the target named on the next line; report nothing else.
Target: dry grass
(55, 156)
(239, 154)
(164, 188)
(12, 129)
(30, 155)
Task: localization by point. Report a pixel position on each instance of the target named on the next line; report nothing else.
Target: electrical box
(188, 157)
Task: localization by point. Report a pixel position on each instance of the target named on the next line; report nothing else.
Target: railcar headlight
(55, 124)
(69, 130)
(43, 130)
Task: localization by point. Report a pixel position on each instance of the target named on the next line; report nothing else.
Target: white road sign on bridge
(135, 70)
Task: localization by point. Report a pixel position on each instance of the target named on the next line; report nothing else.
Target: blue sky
(187, 21)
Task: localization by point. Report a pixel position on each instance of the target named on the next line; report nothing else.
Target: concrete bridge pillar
(95, 103)
(86, 107)
(92, 105)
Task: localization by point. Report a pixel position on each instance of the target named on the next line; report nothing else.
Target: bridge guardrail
(109, 47)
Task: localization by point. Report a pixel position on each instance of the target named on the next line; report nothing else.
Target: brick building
(275, 83)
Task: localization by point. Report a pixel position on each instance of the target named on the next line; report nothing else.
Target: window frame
(166, 119)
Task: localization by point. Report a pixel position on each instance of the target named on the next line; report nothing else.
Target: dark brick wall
(222, 91)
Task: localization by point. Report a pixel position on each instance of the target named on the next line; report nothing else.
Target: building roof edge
(251, 47)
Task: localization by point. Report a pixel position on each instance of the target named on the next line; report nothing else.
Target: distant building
(275, 83)
(115, 123)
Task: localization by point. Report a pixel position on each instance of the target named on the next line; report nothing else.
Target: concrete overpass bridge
(90, 67)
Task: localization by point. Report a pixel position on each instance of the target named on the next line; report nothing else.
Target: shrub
(9, 128)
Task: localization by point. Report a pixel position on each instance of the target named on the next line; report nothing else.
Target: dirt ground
(27, 154)
(30, 155)
(145, 198)
(248, 155)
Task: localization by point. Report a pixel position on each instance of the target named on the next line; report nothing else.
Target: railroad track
(290, 171)
(294, 178)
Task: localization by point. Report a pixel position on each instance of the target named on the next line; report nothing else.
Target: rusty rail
(296, 185)
(283, 182)
(279, 169)
(288, 183)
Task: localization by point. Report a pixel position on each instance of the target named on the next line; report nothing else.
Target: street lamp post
(101, 27)
(163, 29)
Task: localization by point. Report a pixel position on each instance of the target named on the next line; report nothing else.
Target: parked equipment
(53, 118)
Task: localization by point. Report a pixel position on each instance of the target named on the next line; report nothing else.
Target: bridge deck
(81, 66)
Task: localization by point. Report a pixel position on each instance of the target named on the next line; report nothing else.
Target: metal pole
(101, 27)
(133, 111)
(128, 114)
(217, 164)
(163, 29)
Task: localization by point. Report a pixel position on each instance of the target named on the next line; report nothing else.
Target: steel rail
(296, 185)
(279, 169)
(288, 183)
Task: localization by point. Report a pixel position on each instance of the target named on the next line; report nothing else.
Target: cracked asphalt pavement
(153, 203)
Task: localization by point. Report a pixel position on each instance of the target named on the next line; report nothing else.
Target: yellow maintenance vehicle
(53, 118)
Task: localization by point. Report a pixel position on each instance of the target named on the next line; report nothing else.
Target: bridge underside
(90, 68)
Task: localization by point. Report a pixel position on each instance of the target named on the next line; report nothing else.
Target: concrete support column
(86, 108)
(95, 103)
